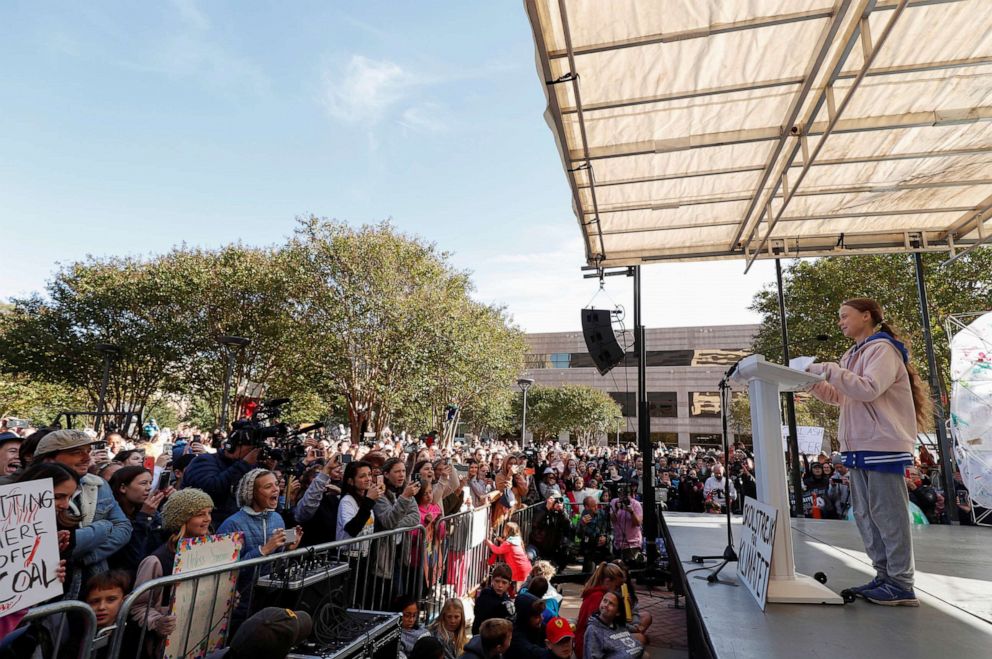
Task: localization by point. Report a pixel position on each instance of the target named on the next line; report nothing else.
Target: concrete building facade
(684, 368)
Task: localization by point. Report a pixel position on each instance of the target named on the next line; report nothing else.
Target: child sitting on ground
(410, 629)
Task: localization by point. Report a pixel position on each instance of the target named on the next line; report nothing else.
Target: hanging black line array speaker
(597, 328)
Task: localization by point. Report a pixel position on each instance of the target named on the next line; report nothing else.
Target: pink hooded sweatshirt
(871, 386)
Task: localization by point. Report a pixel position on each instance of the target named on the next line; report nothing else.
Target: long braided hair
(922, 404)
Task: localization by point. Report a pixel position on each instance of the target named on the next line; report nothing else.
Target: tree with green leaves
(581, 411)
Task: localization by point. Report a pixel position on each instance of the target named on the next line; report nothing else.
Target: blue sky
(126, 128)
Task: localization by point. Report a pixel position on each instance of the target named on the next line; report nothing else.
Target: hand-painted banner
(29, 545)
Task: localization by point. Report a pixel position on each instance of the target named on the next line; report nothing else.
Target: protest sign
(207, 621)
(29, 545)
(810, 439)
(754, 553)
(480, 527)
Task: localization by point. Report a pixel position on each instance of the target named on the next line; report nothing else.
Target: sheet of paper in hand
(29, 545)
(193, 601)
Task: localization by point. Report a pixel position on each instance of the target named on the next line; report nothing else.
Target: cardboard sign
(810, 439)
(29, 545)
(754, 553)
(206, 631)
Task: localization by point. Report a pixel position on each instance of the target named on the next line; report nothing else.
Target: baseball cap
(9, 437)
(558, 629)
(63, 440)
(548, 470)
(272, 632)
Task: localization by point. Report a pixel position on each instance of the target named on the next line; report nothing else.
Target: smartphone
(167, 448)
(99, 445)
(149, 463)
(380, 482)
(164, 480)
(290, 536)
(462, 469)
(345, 458)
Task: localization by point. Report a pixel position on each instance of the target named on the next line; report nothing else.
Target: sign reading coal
(29, 545)
(754, 554)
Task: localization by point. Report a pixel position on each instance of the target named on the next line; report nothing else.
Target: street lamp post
(231, 344)
(109, 353)
(524, 384)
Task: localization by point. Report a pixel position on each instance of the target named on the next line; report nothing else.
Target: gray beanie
(182, 505)
(246, 486)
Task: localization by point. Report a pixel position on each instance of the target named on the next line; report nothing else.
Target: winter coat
(527, 642)
(256, 526)
(515, 556)
(145, 538)
(393, 512)
(490, 605)
(104, 529)
(871, 386)
(602, 641)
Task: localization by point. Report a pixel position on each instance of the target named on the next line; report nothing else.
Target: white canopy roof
(701, 129)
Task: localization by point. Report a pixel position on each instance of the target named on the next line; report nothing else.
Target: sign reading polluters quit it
(754, 554)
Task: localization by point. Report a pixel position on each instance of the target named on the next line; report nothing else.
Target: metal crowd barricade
(59, 629)
(364, 573)
(462, 558)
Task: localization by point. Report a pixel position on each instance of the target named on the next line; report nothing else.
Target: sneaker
(888, 594)
(860, 590)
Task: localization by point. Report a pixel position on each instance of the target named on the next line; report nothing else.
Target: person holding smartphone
(395, 509)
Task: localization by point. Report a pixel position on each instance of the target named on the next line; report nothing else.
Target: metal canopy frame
(698, 131)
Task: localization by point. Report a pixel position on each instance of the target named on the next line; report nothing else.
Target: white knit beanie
(246, 486)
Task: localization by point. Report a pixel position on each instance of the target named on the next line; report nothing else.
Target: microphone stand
(729, 555)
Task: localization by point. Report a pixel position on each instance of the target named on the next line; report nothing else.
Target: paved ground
(667, 634)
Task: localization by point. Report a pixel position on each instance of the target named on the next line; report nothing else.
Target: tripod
(728, 555)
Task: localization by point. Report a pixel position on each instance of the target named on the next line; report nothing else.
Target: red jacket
(590, 605)
(515, 556)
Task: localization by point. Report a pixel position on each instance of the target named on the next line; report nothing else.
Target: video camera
(265, 431)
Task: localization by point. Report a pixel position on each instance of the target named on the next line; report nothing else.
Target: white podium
(765, 382)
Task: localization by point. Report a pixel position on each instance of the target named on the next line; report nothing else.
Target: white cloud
(427, 116)
(365, 90)
(545, 290)
(191, 14)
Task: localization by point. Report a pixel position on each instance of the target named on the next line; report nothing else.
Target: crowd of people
(123, 506)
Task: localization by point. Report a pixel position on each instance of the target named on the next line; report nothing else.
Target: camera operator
(218, 473)
(551, 531)
(715, 486)
(627, 515)
(691, 492)
(594, 532)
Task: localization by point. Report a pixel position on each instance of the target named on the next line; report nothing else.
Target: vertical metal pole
(227, 389)
(943, 441)
(790, 402)
(649, 509)
(103, 393)
(523, 429)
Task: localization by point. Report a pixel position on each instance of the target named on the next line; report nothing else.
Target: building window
(663, 404)
(536, 360)
(561, 359)
(704, 403)
(627, 402)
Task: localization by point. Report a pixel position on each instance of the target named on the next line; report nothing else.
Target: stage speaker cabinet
(597, 328)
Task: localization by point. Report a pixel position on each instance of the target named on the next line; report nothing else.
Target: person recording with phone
(627, 515)
(218, 473)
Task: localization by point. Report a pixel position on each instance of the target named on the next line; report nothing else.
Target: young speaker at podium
(882, 402)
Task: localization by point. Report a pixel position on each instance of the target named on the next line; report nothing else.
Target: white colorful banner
(211, 594)
(29, 545)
